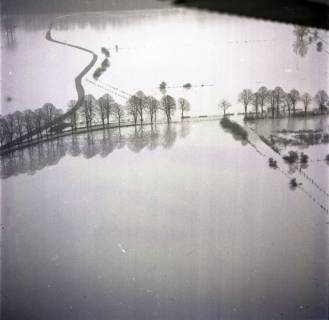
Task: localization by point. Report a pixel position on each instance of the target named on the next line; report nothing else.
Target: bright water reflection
(197, 229)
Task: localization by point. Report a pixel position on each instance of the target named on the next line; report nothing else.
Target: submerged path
(78, 79)
(78, 85)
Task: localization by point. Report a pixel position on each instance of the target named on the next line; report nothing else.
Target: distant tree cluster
(16, 125)
(39, 124)
(305, 37)
(277, 102)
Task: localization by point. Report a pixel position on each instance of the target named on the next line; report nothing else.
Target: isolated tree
(118, 113)
(19, 123)
(141, 104)
(152, 106)
(73, 116)
(262, 94)
(168, 105)
(306, 99)
(294, 96)
(321, 99)
(163, 87)
(245, 97)
(184, 106)
(224, 105)
(132, 107)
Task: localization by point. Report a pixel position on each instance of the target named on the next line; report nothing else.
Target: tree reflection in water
(103, 143)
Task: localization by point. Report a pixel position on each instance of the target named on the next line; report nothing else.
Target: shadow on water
(102, 143)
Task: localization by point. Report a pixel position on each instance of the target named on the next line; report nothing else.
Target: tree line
(277, 102)
(102, 111)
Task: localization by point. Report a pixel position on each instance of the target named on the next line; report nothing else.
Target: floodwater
(173, 222)
(218, 54)
(170, 222)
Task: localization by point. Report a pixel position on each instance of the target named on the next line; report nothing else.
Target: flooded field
(172, 224)
(166, 221)
(153, 46)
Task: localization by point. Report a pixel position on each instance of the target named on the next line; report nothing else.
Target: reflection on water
(103, 143)
(201, 230)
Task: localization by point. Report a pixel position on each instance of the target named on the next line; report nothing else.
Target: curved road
(78, 85)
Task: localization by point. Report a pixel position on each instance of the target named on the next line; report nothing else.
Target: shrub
(303, 158)
(106, 52)
(291, 158)
(235, 128)
(293, 183)
(272, 163)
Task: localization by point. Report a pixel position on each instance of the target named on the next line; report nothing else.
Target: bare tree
(152, 106)
(262, 94)
(132, 107)
(29, 122)
(288, 103)
(39, 120)
(168, 105)
(321, 99)
(19, 123)
(49, 113)
(279, 95)
(102, 110)
(245, 97)
(3, 128)
(10, 127)
(256, 101)
(106, 103)
(141, 104)
(118, 112)
(271, 100)
(224, 105)
(294, 96)
(73, 116)
(184, 106)
(88, 109)
(306, 100)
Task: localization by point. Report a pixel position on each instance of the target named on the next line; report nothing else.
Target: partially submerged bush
(105, 63)
(293, 183)
(234, 127)
(272, 163)
(106, 52)
(291, 158)
(303, 158)
(187, 86)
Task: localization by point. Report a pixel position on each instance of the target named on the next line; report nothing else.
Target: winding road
(78, 85)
